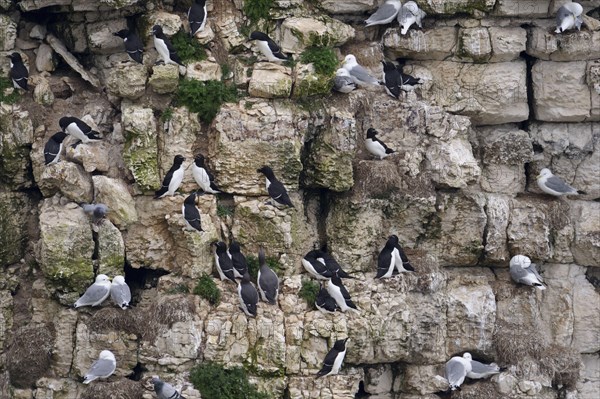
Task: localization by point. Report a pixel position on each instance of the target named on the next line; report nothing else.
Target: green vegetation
(225, 71)
(253, 265)
(257, 9)
(224, 210)
(167, 115)
(204, 98)
(188, 50)
(207, 289)
(323, 59)
(6, 83)
(179, 289)
(215, 382)
(309, 291)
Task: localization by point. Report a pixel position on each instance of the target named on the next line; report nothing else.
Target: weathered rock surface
(270, 80)
(300, 32)
(115, 194)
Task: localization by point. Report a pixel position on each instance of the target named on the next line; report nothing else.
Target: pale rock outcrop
(164, 78)
(572, 46)
(8, 33)
(497, 210)
(421, 381)
(589, 383)
(204, 70)
(307, 82)
(70, 59)
(140, 151)
(452, 163)
(42, 94)
(528, 228)
(111, 250)
(171, 23)
(227, 31)
(507, 43)
(430, 44)
(474, 45)
(379, 379)
(298, 33)
(94, 157)
(14, 212)
(44, 60)
(127, 80)
(100, 36)
(433, 7)
(523, 8)
(115, 194)
(118, 3)
(270, 80)
(342, 386)
(348, 6)
(68, 178)
(16, 134)
(586, 243)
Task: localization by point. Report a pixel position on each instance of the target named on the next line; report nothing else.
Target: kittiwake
(408, 15)
(359, 74)
(164, 390)
(457, 369)
(385, 13)
(101, 368)
(481, 370)
(554, 185)
(522, 271)
(96, 293)
(343, 82)
(568, 17)
(120, 292)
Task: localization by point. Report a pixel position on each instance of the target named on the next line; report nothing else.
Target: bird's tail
(539, 286)
(94, 135)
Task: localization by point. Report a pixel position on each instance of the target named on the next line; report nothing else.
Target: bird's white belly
(375, 148)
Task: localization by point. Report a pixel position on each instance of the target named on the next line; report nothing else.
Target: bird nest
(121, 389)
(29, 354)
(478, 390)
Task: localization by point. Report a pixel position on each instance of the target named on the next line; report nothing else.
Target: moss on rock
(13, 219)
(140, 150)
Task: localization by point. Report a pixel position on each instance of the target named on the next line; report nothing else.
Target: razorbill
(223, 261)
(568, 17)
(358, 73)
(522, 271)
(96, 293)
(164, 390)
(101, 368)
(197, 16)
(240, 264)
(133, 44)
(324, 302)
(554, 185)
(481, 370)
(340, 294)
(386, 260)
(457, 369)
(18, 71)
(190, 213)
(376, 146)
(268, 47)
(385, 13)
(314, 264)
(164, 47)
(248, 296)
(408, 15)
(78, 129)
(333, 360)
(120, 292)
(332, 264)
(53, 148)
(392, 80)
(173, 178)
(267, 281)
(203, 177)
(275, 188)
(343, 82)
(402, 262)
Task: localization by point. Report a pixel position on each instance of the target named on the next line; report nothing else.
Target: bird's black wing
(328, 363)
(409, 80)
(405, 263)
(240, 263)
(276, 50)
(51, 149)
(165, 183)
(325, 301)
(172, 51)
(250, 297)
(196, 16)
(384, 261)
(393, 80)
(192, 215)
(334, 266)
(135, 48)
(388, 150)
(346, 296)
(278, 192)
(269, 283)
(20, 75)
(226, 266)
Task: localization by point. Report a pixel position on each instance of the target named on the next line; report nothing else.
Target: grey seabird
(343, 82)
(95, 293)
(457, 369)
(101, 368)
(522, 271)
(120, 292)
(248, 296)
(554, 185)
(385, 14)
(267, 281)
(358, 73)
(409, 14)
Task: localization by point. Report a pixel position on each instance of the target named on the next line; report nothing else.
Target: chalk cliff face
(503, 97)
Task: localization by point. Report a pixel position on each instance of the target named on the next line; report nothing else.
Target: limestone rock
(474, 44)
(229, 33)
(270, 80)
(298, 33)
(507, 43)
(204, 70)
(171, 23)
(14, 212)
(586, 245)
(118, 3)
(569, 46)
(497, 212)
(42, 94)
(61, 50)
(127, 80)
(44, 60)
(94, 157)
(341, 386)
(8, 33)
(529, 229)
(164, 78)
(111, 250)
(206, 36)
(67, 178)
(16, 134)
(38, 32)
(349, 6)
(140, 148)
(66, 250)
(115, 194)
(309, 83)
(423, 380)
(526, 8)
(379, 379)
(100, 36)
(457, 6)
(452, 163)
(431, 44)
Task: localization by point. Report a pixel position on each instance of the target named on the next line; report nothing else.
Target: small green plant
(323, 59)
(272, 262)
(225, 71)
(224, 211)
(188, 50)
(207, 289)
(167, 115)
(6, 83)
(204, 98)
(257, 9)
(309, 291)
(179, 289)
(215, 382)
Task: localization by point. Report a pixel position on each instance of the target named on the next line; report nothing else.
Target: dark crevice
(142, 278)
(137, 372)
(483, 253)
(525, 125)
(527, 174)
(362, 393)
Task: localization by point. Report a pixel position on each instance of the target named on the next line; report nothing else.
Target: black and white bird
(481, 370)
(53, 148)
(133, 44)
(120, 292)
(409, 14)
(203, 177)
(248, 296)
(314, 264)
(101, 368)
(522, 271)
(332, 264)
(223, 262)
(95, 293)
(324, 302)
(554, 185)
(268, 47)
(386, 260)
(568, 17)
(376, 146)
(267, 281)
(78, 129)
(457, 369)
(334, 359)
(343, 82)
(408, 82)
(191, 213)
(275, 188)
(240, 264)
(197, 16)
(385, 14)
(173, 178)
(163, 46)
(392, 79)
(18, 71)
(164, 390)
(402, 262)
(340, 294)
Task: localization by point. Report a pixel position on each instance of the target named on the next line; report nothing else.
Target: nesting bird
(324, 302)
(340, 294)
(96, 293)
(554, 185)
(191, 213)
(53, 148)
(334, 359)
(223, 262)
(78, 129)
(197, 16)
(203, 177)
(163, 46)
(101, 368)
(457, 369)
(267, 281)
(385, 14)
(481, 370)
(248, 296)
(376, 146)
(172, 179)
(314, 264)
(568, 17)
(358, 73)
(133, 44)
(522, 271)
(120, 292)
(409, 14)
(240, 264)
(275, 188)
(268, 47)
(343, 82)
(332, 264)
(18, 71)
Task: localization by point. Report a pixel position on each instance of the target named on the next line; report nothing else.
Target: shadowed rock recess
(502, 97)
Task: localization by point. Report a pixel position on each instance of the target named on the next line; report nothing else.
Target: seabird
(133, 44)
(481, 370)
(340, 294)
(53, 148)
(408, 15)
(332, 264)
(392, 80)
(203, 177)
(268, 47)
(120, 292)
(18, 71)
(333, 360)
(197, 16)
(343, 82)
(457, 369)
(402, 263)
(376, 146)
(240, 264)
(78, 129)
(164, 390)
(358, 73)
(164, 47)
(385, 13)
(101, 368)
(554, 185)
(314, 264)
(386, 261)
(568, 17)
(223, 262)
(324, 302)
(98, 212)
(173, 178)
(96, 293)
(248, 296)
(522, 271)
(191, 214)
(275, 188)
(267, 281)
